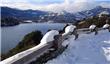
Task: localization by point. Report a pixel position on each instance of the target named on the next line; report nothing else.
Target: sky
(55, 5)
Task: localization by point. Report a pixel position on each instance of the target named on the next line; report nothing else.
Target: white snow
(92, 26)
(49, 36)
(104, 12)
(87, 49)
(29, 21)
(106, 26)
(42, 17)
(69, 28)
(50, 21)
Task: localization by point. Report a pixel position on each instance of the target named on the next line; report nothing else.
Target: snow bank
(104, 12)
(92, 26)
(49, 36)
(29, 21)
(106, 26)
(69, 28)
(87, 49)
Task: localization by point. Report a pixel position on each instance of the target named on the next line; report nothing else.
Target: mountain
(74, 17)
(12, 16)
(10, 21)
(42, 16)
(21, 14)
(93, 12)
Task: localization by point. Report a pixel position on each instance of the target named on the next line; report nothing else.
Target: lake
(11, 36)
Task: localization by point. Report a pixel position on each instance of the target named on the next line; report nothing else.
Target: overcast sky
(55, 5)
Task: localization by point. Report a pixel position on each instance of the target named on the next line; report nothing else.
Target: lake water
(11, 36)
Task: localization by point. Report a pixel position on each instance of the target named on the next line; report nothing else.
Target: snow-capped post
(106, 26)
(49, 36)
(75, 32)
(65, 27)
(54, 38)
(93, 28)
(71, 29)
(57, 44)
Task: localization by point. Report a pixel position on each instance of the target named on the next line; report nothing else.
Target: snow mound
(92, 26)
(49, 36)
(87, 49)
(104, 12)
(106, 26)
(69, 28)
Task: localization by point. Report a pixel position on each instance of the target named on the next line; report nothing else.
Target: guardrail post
(94, 30)
(109, 28)
(75, 33)
(57, 44)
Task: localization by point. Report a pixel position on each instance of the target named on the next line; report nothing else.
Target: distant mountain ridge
(43, 16)
(21, 14)
(72, 17)
(95, 11)
(66, 17)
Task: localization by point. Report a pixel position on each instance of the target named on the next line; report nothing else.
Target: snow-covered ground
(87, 49)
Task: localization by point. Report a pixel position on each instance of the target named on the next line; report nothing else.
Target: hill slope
(21, 14)
(88, 49)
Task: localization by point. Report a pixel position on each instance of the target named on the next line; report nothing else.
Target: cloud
(70, 6)
(20, 4)
(105, 4)
(67, 5)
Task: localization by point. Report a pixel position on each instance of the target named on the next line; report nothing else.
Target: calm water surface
(11, 36)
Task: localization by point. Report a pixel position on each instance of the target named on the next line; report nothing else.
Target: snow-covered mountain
(72, 17)
(87, 49)
(95, 11)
